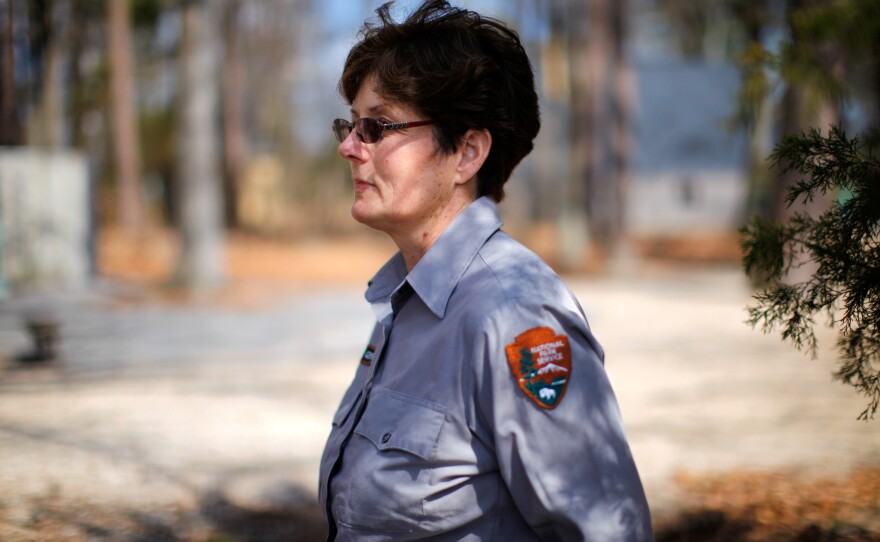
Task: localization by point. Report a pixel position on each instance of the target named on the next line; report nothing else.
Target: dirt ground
(167, 418)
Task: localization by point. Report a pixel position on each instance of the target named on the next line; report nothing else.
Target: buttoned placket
(386, 312)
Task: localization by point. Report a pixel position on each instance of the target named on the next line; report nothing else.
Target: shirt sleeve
(544, 399)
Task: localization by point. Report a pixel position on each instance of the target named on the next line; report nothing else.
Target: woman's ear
(474, 151)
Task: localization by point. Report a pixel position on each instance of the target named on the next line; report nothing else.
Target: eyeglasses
(371, 130)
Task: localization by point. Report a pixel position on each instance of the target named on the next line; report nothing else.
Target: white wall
(678, 202)
(44, 219)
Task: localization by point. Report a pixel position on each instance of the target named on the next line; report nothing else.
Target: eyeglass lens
(369, 130)
(341, 129)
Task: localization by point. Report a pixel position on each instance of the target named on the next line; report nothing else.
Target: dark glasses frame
(371, 130)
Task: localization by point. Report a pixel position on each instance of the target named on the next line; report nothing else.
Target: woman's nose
(351, 147)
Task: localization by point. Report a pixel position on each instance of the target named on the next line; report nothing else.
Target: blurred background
(180, 279)
(124, 123)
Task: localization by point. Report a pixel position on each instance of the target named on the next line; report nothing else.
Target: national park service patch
(540, 361)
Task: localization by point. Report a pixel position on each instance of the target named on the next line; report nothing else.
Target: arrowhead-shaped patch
(540, 361)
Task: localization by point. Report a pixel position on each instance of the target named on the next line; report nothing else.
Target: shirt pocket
(396, 421)
(387, 468)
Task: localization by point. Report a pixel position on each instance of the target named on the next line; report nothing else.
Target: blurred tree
(123, 105)
(582, 104)
(201, 262)
(78, 31)
(565, 159)
(737, 30)
(50, 30)
(235, 144)
(602, 94)
(622, 100)
(754, 112)
(811, 63)
(844, 244)
(818, 50)
(822, 255)
(10, 127)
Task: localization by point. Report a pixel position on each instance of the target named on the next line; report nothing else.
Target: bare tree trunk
(10, 128)
(78, 23)
(201, 262)
(126, 147)
(623, 100)
(575, 228)
(798, 118)
(757, 169)
(754, 18)
(46, 126)
(794, 121)
(600, 181)
(235, 144)
(612, 82)
(803, 107)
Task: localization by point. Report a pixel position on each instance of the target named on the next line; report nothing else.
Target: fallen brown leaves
(731, 507)
(777, 506)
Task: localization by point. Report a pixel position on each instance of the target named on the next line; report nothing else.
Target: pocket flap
(394, 420)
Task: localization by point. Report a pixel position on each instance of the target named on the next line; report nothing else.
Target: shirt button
(386, 437)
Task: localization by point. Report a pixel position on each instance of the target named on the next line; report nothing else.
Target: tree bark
(201, 262)
(235, 143)
(623, 100)
(600, 180)
(804, 107)
(46, 126)
(126, 144)
(567, 88)
(611, 83)
(10, 128)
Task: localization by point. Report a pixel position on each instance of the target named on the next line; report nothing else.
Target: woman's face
(402, 183)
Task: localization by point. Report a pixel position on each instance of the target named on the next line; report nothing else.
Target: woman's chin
(361, 213)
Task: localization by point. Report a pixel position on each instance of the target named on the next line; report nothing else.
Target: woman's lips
(361, 185)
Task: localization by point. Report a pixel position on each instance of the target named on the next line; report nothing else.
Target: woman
(480, 409)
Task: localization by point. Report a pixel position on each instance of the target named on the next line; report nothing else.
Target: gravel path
(166, 411)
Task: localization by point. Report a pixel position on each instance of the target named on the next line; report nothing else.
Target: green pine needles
(843, 244)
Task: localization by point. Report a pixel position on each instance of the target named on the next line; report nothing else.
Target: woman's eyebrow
(372, 110)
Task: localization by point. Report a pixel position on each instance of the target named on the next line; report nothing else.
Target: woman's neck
(414, 242)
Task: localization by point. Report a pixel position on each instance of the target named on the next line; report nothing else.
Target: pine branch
(826, 163)
(844, 242)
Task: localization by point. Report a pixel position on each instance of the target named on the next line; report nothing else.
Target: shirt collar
(391, 276)
(435, 276)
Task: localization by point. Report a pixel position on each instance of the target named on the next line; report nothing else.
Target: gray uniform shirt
(480, 409)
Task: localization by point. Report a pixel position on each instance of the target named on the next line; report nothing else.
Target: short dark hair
(459, 69)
